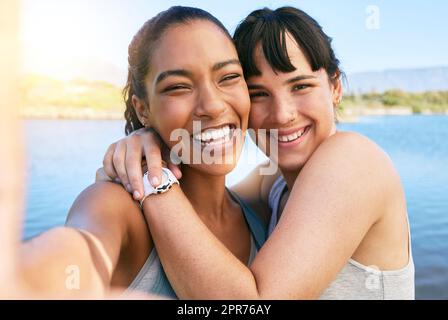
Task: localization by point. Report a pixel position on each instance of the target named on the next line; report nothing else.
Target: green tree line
(432, 101)
(38, 91)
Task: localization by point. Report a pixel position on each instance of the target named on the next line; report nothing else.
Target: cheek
(256, 116)
(322, 111)
(239, 99)
(319, 106)
(170, 114)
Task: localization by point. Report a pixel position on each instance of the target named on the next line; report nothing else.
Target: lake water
(63, 156)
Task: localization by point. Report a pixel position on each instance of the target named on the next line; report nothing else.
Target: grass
(432, 102)
(38, 91)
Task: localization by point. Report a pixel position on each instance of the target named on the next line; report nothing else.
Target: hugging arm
(320, 229)
(123, 161)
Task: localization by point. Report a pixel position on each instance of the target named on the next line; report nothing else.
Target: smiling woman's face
(195, 75)
(299, 104)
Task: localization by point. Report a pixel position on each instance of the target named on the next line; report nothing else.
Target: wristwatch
(168, 179)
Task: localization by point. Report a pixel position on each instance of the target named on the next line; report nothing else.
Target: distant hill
(44, 97)
(408, 80)
(68, 68)
(96, 70)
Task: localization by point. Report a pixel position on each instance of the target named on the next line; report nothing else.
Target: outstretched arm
(31, 270)
(59, 262)
(81, 257)
(328, 214)
(17, 280)
(11, 159)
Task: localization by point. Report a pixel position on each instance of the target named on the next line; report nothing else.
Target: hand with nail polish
(127, 159)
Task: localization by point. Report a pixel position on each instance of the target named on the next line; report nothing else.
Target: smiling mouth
(293, 136)
(215, 136)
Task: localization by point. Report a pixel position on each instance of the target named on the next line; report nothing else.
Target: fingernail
(128, 187)
(155, 181)
(136, 195)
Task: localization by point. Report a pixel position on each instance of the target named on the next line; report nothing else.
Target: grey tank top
(356, 281)
(152, 278)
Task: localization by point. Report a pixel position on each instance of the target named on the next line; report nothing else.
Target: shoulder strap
(275, 195)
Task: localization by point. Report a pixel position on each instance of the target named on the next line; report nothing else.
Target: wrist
(168, 181)
(156, 202)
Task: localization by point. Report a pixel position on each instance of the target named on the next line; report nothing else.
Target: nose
(282, 111)
(210, 103)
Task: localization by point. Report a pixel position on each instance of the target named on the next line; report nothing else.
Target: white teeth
(293, 136)
(213, 135)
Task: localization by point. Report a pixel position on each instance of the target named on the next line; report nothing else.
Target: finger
(133, 166)
(101, 175)
(153, 154)
(119, 162)
(175, 169)
(108, 163)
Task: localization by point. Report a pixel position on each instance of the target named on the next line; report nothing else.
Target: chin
(215, 169)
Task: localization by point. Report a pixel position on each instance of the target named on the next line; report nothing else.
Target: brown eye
(300, 87)
(231, 77)
(176, 87)
(258, 94)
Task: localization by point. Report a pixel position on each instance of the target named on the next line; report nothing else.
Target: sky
(89, 38)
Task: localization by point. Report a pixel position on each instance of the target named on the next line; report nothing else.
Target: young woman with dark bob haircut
(338, 226)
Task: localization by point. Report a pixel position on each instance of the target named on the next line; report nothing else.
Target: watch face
(165, 182)
(165, 178)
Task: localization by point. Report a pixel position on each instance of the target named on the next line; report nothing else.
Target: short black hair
(269, 27)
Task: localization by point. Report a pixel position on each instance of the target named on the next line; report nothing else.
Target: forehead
(295, 54)
(191, 45)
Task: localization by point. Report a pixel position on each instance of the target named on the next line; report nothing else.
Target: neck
(207, 193)
(290, 177)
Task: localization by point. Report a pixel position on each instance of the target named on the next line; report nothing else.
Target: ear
(337, 90)
(141, 109)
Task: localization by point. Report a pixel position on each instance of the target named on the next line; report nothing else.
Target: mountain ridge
(408, 80)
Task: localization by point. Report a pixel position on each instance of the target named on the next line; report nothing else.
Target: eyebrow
(292, 80)
(188, 74)
(177, 72)
(299, 78)
(221, 65)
